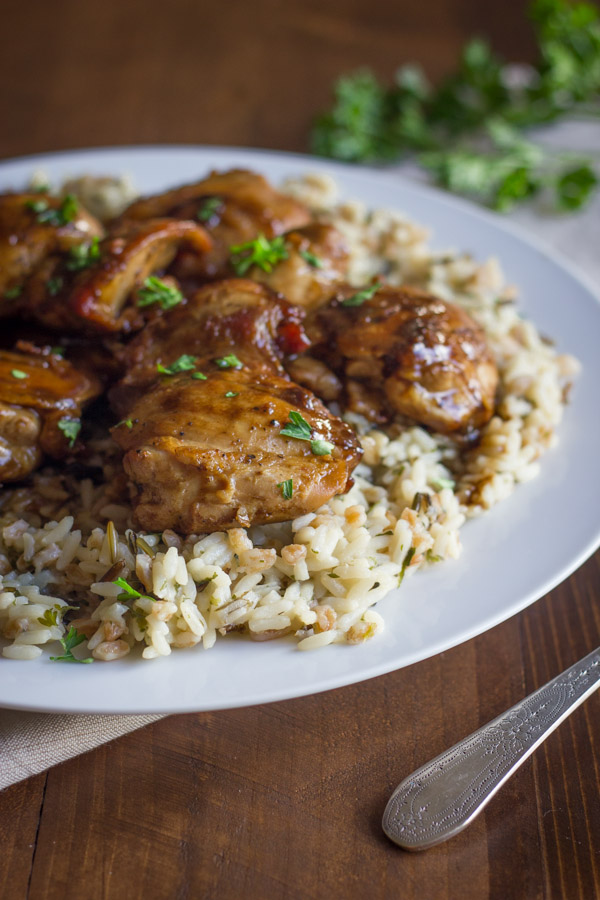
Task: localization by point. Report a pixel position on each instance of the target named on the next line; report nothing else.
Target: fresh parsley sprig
(69, 642)
(84, 255)
(299, 428)
(185, 363)
(157, 291)
(70, 428)
(260, 252)
(453, 128)
(48, 215)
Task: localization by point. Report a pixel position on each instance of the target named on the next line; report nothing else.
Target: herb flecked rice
(69, 558)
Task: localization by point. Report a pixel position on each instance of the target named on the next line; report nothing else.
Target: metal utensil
(444, 796)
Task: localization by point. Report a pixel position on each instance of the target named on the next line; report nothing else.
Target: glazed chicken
(234, 207)
(205, 446)
(215, 432)
(235, 316)
(405, 351)
(90, 294)
(210, 455)
(31, 227)
(41, 400)
(316, 262)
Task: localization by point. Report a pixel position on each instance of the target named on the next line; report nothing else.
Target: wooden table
(285, 801)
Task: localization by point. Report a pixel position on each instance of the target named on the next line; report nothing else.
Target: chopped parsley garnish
(53, 615)
(84, 255)
(13, 292)
(359, 298)
(185, 363)
(128, 592)
(405, 564)
(287, 488)
(54, 285)
(229, 362)
(311, 259)
(157, 291)
(57, 351)
(209, 208)
(70, 428)
(232, 393)
(17, 373)
(72, 639)
(199, 376)
(260, 252)
(127, 422)
(299, 429)
(47, 215)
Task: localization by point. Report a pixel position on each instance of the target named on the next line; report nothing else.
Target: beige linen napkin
(32, 742)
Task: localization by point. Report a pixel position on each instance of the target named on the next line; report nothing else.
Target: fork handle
(444, 796)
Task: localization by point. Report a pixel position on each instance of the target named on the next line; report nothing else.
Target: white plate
(511, 556)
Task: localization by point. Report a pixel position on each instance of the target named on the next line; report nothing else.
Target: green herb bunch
(468, 132)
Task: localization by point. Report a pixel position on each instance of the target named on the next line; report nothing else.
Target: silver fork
(445, 795)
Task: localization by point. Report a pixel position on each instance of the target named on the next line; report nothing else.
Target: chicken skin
(404, 351)
(32, 226)
(207, 455)
(234, 207)
(316, 262)
(235, 316)
(89, 293)
(41, 400)
(206, 400)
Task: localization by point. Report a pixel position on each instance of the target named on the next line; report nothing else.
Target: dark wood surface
(285, 801)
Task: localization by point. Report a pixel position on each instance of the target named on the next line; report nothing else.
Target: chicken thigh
(401, 350)
(41, 399)
(234, 207)
(210, 454)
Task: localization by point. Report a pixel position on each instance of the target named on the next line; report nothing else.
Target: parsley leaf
(47, 215)
(199, 376)
(260, 252)
(71, 640)
(70, 428)
(17, 373)
(287, 488)
(232, 393)
(185, 363)
(157, 291)
(311, 259)
(229, 362)
(130, 593)
(297, 427)
(359, 298)
(209, 208)
(13, 292)
(54, 285)
(84, 255)
(300, 429)
(127, 422)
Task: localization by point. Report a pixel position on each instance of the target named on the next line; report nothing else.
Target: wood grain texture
(285, 801)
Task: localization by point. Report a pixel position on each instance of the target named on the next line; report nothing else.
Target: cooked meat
(41, 399)
(209, 455)
(317, 261)
(92, 298)
(234, 207)
(234, 316)
(406, 351)
(32, 226)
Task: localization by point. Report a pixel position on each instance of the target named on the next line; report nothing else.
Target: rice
(64, 542)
